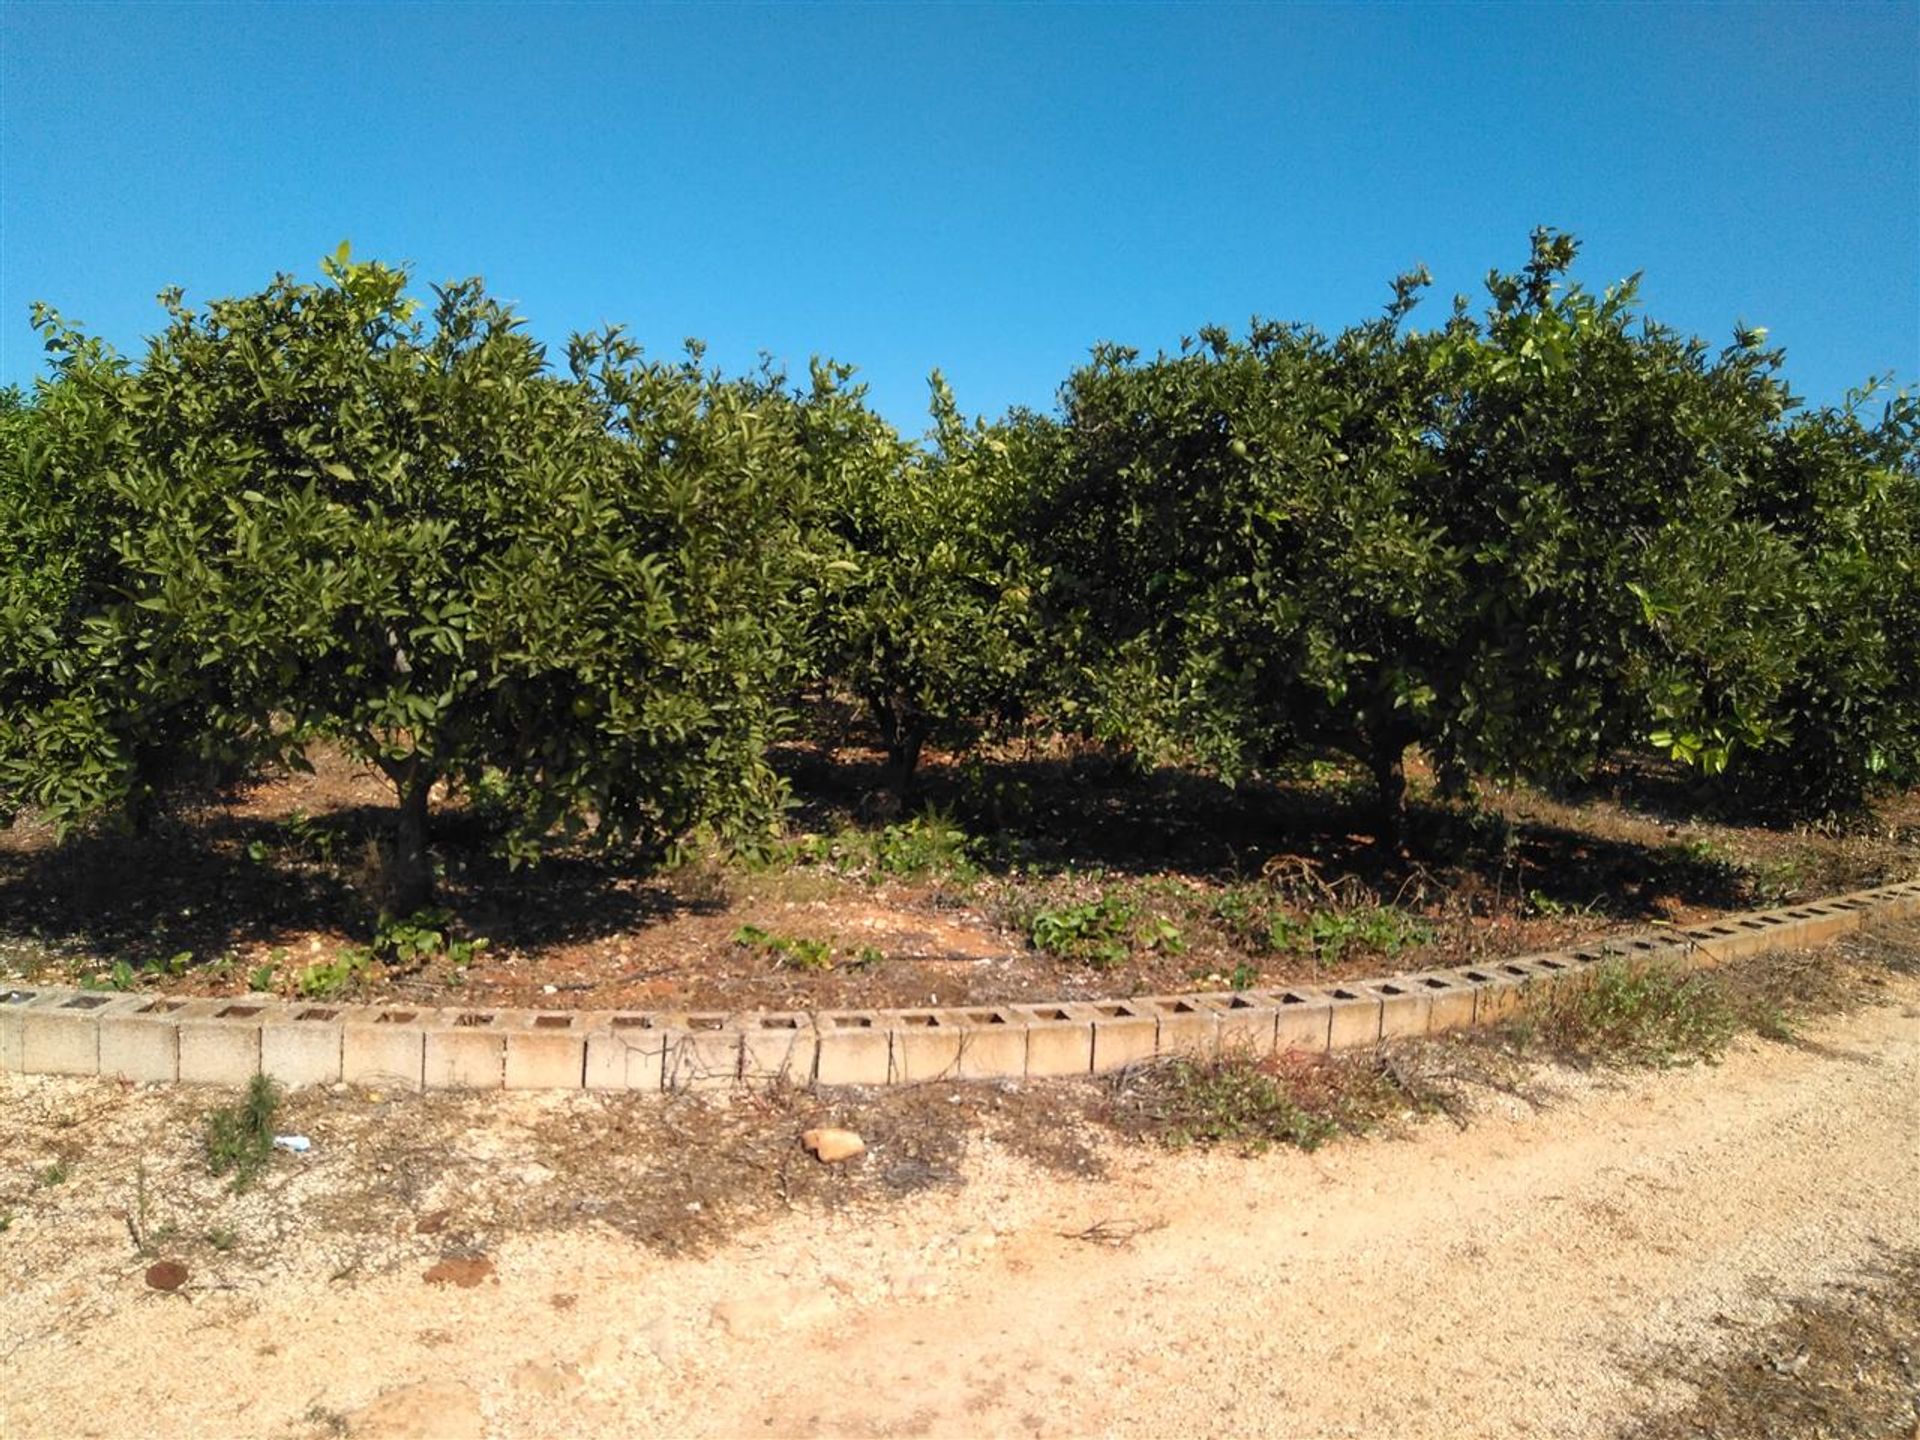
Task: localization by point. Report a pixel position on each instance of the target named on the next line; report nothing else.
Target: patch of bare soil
(503, 1265)
(268, 886)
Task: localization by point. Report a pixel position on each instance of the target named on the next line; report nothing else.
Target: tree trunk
(904, 734)
(904, 755)
(410, 868)
(1389, 763)
(1456, 781)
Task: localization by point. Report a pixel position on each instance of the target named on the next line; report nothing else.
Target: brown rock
(548, 1380)
(466, 1271)
(437, 1410)
(833, 1145)
(166, 1275)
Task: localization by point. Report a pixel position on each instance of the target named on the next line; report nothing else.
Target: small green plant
(420, 937)
(1639, 1014)
(789, 952)
(1231, 1101)
(327, 978)
(867, 956)
(222, 1239)
(1328, 934)
(240, 1137)
(260, 978)
(1096, 932)
(121, 977)
(313, 837)
(52, 1175)
(1244, 976)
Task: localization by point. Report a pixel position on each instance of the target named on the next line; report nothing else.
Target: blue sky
(986, 189)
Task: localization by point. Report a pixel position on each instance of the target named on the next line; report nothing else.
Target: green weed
(1329, 934)
(788, 952)
(1637, 1014)
(239, 1137)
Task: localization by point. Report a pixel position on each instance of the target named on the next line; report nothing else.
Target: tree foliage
(1523, 539)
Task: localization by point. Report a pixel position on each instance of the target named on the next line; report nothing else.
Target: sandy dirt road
(1510, 1278)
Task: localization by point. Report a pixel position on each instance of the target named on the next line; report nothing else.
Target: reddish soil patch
(269, 884)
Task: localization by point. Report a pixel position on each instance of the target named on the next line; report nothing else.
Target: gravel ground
(505, 1266)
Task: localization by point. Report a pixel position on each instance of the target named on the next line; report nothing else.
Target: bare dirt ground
(270, 885)
(1563, 1263)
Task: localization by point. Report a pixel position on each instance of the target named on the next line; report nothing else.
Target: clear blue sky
(986, 189)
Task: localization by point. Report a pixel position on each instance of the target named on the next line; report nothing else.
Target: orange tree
(333, 513)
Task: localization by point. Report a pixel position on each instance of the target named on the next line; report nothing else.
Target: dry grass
(1843, 1363)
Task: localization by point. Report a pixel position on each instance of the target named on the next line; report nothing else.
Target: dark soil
(285, 875)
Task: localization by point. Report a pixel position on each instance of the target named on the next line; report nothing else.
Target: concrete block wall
(47, 1030)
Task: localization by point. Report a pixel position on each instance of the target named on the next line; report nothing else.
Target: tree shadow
(1090, 811)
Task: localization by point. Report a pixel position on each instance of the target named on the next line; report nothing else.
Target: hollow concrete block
(546, 1050)
(1125, 1033)
(1187, 1026)
(703, 1053)
(60, 1033)
(993, 1045)
(1245, 1023)
(626, 1052)
(856, 1048)
(220, 1040)
(778, 1048)
(384, 1046)
(1354, 1017)
(1303, 1019)
(1059, 1039)
(925, 1045)
(141, 1042)
(1449, 999)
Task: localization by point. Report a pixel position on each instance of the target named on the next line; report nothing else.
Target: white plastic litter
(298, 1144)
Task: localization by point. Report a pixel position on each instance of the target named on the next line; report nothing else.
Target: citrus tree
(335, 513)
(926, 610)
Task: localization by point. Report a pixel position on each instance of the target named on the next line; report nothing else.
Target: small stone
(432, 1223)
(466, 1271)
(166, 1275)
(548, 1380)
(833, 1145)
(441, 1409)
(914, 1285)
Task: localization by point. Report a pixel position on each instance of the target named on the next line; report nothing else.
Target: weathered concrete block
(383, 1046)
(856, 1048)
(1303, 1019)
(1403, 1008)
(1244, 1024)
(1187, 1027)
(1449, 999)
(141, 1041)
(465, 1050)
(703, 1053)
(627, 1052)
(778, 1048)
(60, 1033)
(926, 1045)
(1059, 1039)
(546, 1051)
(220, 1041)
(1353, 1018)
(302, 1045)
(993, 1046)
(12, 1002)
(1125, 1033)
(1496, 994)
